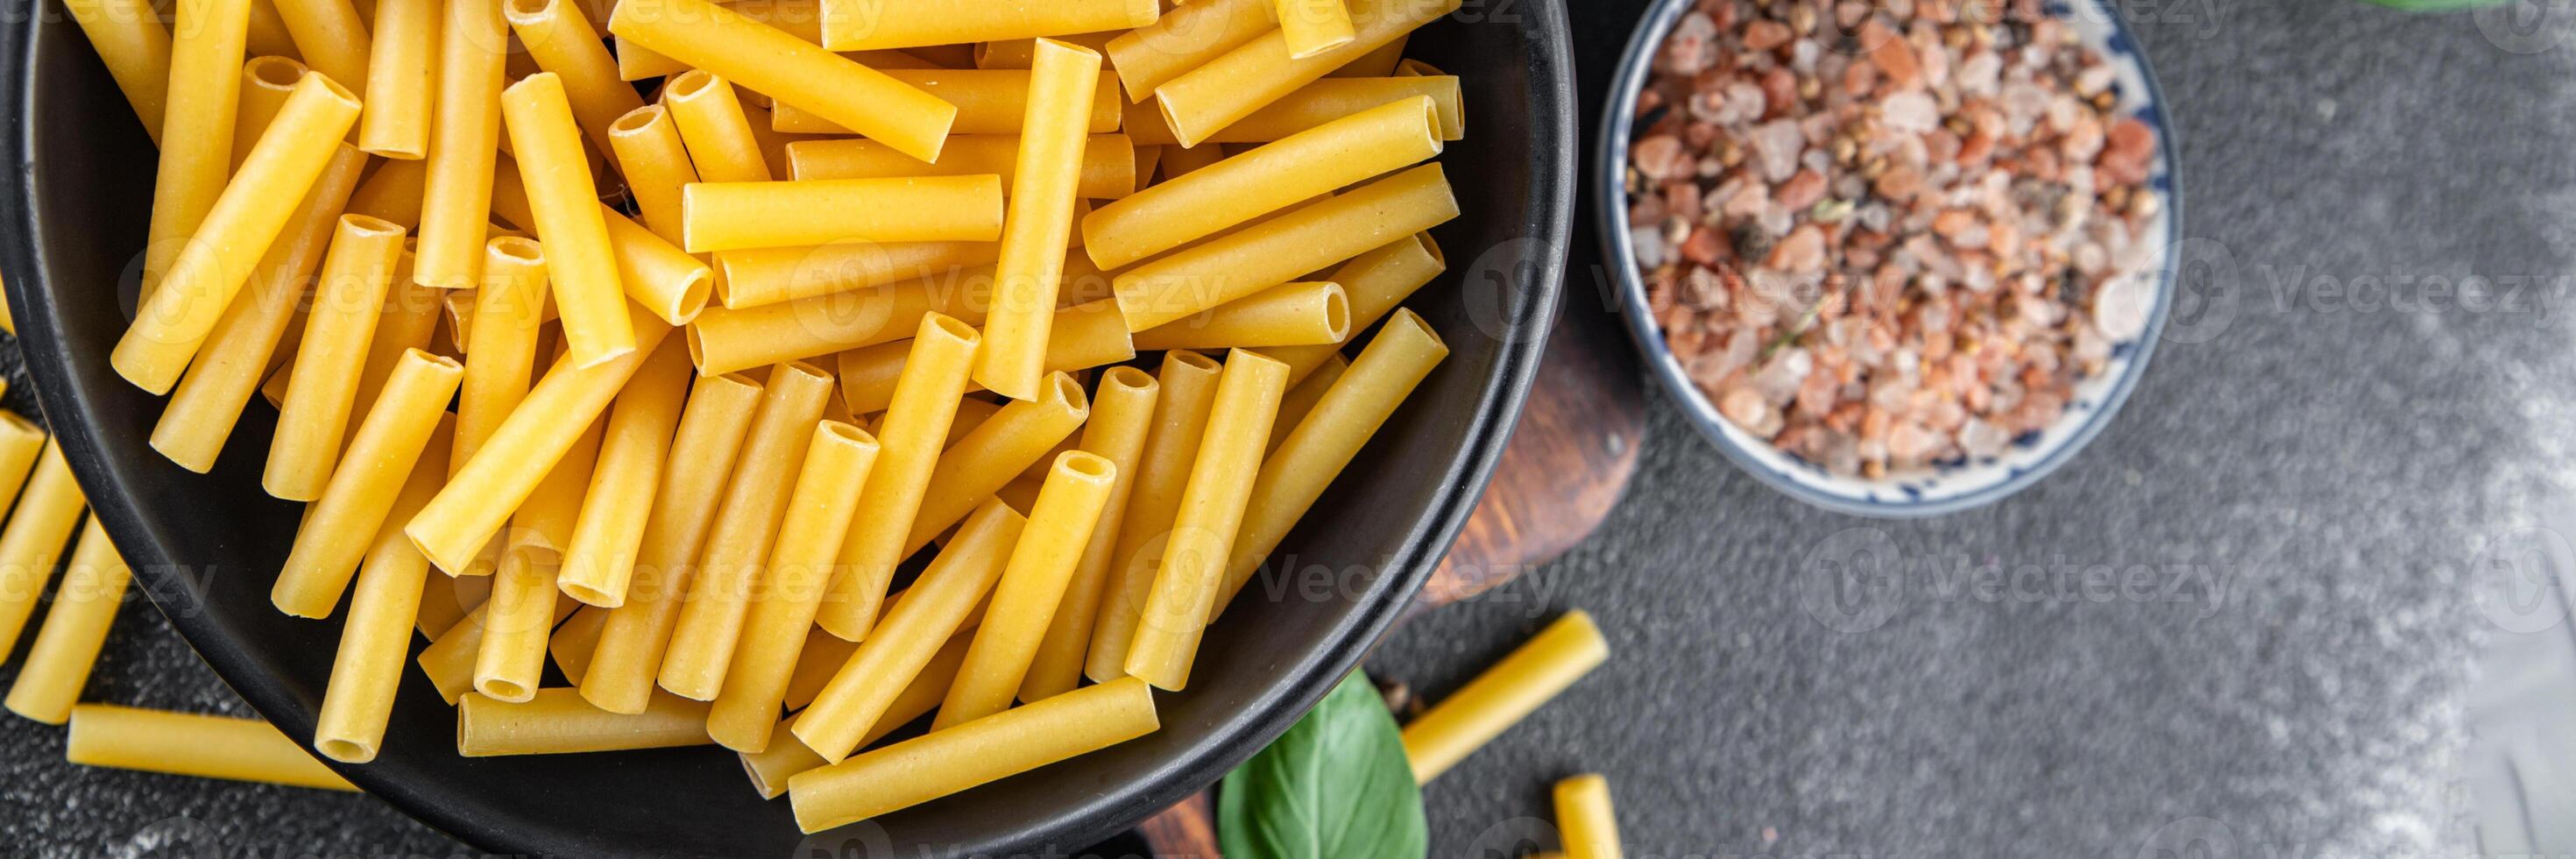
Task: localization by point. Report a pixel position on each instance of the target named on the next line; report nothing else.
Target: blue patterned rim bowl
(1945, 487)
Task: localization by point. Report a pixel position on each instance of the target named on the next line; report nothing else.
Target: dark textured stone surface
(2334, 470)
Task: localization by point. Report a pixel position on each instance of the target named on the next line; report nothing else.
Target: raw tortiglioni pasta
(1012, 361)
(184, 744)
(1205, 524)
(66, 647)
(911, 435)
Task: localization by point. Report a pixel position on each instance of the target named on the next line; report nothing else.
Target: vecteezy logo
(1853, 580)
(2518, 580)
(2205, 291)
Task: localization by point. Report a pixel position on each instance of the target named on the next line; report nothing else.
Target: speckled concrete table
(2314, 476)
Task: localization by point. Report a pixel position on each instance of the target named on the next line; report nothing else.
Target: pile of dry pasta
(669, 389)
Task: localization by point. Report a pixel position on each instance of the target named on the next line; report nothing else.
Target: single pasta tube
(209, 398)
(720, 216)
(330, 37)
(1375, 283)
(1060, 525)
(988, 101)
(1328, 437)
(1211, 512)
(220, 254)
(1014, 439)
(1081, 337)
(786, 756)
(515, 626)
(45, 516)
(852, 26)
(1108, 169)
(1310, 27)
(1122, 411)
(713, 128)
(1261, 71)
(501, 350)
(266, 82)
(975, 753)
(479, 497)
(631, 643)
(1290, 314)
(104, 735)
(667, 281)
(1271, 178)
(559, 37)
(392, 192)
(386, 604)
(1302, 398)
(896, 651)
(561, 196)
(558, 721)
(753, 277)
(600, 560)
(543, 524)
(464, 141)
(1040, 220)
(1503, 695)
(747, 525)
(1188, 381)
(1590, 829)
(347, 302)
(1293, 243)
(134, 45)
(724, 340)
(1313, 105)
(58, 666)
(402, 64)
(911, 436)
(449, 661)
(200, 101)
(792, 70)
(799, 570)
(21, 442)
(575, 640)
(1185, 38)
(656, 165)
(338, 529)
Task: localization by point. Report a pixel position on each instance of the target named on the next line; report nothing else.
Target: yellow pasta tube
(1310, 27)
(409, 321)
(558, 721)
(978, 752)
(852, 26)
(896, 651)
(1375, 282)
(392, 192)
(1022, 53)
(1328, 437)
(330, 37)
(1185, 38)
(561, 196)
(636, 62)
(914, 430)
(266, 82)
(1026, 280)
(515, 625)
(786, 756)
(573, 642)
(104, 735)
(1278, 175)
(402, 64)
(800, 569)
(449, 661)
(1122, 412)
(1375, 64)
(629, 655)
(760, 276)
(600, 559)
(444, 600)
(21, 442)
(134, 45)
(1051, 545)
(464, 140)
(713, 127)
(1204, 529)
(348, 301)
(209, 398)
(1083, 337)
(268, 36)
(1504, 694)
(1270, 253)
(976, 466)
(338, 529)
(559, 37)
(33, 540)
(667, 281)
(1188, 381)
(725, 340)
(747, 525)
(1261, 71)
(66, 647)
(201, 100)
(1303, 396)
(1313, 105)
(382, 611)
(501, 350)
(543, 524)
(555, 414)
(1290, 314)
(656, 165)
(1108, 169)
(219, 256)
(987, 101)
(1590, 829)
(718, 216)
(791, 70)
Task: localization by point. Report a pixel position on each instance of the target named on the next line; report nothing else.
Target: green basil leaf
(1336, 786)
(2437, 5)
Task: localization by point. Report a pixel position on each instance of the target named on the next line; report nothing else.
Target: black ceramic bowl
(207, 546)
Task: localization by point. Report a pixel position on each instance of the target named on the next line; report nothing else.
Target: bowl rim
(74, 420)
(1610, 211)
